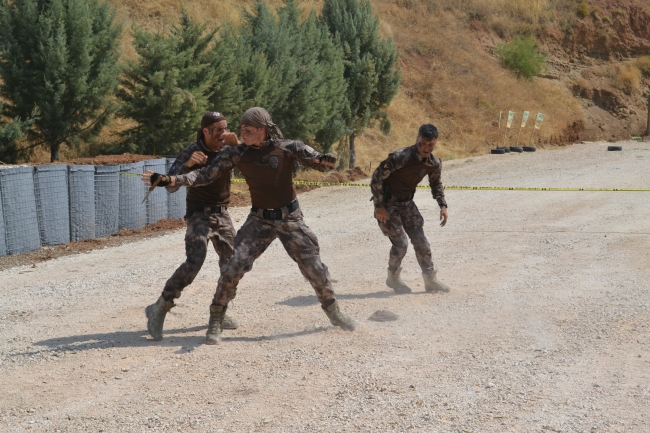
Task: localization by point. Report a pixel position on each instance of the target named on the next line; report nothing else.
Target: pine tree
(227, 93)
(371, 70)
(298, 71)
(244, 76)
(167, 90)
(10, 132)
(60, 56)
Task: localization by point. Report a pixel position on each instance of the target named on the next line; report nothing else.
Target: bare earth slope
(547, 326)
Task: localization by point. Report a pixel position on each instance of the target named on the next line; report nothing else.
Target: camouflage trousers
(202, 227)
(254, 237)
(404, 222)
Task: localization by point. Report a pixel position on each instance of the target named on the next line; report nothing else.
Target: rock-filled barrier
(55, 204)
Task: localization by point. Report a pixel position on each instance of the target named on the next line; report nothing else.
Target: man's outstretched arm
(220, 166)
(310, 157)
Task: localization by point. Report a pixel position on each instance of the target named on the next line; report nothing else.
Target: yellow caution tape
(454, 187)
(509, 188)
(469, 188)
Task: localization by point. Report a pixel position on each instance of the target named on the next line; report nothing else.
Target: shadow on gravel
(78, 343)
(274, 337)
(306, 300)
(140, 338)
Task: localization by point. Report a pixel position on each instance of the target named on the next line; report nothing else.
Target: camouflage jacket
(268, 170)
(179, 167)
(403, 170)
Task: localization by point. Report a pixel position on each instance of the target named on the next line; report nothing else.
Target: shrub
(628, 78)
(643, 63)
(522, 56)
(583, 10)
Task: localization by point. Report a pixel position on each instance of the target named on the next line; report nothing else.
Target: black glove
(328, 157)
(164, 180)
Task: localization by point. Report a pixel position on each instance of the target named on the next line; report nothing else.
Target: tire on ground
(497, 151)
(517, 149)
(614, 148)
(529, 148)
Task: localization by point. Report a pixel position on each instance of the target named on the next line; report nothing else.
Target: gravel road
(546, 329)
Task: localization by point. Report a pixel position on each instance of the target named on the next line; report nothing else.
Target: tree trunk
(54, 152)
(353, 153)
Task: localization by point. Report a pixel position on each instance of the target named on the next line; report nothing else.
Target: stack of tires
(513, 149)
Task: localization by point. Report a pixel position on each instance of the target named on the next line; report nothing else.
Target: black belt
(276, 214)
(407, 198)
(191, 208)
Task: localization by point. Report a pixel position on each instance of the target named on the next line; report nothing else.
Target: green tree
(166, 91)
(227, 93)
(245, 78)
(60, 56)
(10, 132)
(371, 70)
(522, 56)
(292, 68)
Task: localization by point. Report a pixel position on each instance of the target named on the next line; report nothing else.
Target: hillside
(593, 88)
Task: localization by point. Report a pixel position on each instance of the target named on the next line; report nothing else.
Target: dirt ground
(546, 329)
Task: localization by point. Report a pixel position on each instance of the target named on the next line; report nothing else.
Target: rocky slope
(602, 59)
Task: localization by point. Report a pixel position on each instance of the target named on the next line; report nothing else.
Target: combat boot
(431, 283)
(337, 318)
(215, 326)
(394, 281)
(229, 323)
(156, 317)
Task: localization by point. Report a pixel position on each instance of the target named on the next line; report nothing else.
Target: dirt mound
(125, 158)
(121, 237)
(346, 176)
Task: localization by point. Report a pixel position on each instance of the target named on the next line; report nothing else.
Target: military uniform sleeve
(307, 156)
(179, 167)
(220, 166)
(437, 190)
(381, 173)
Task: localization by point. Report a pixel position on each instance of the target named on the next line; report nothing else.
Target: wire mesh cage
(157, 200)
(19, 209)
(3, 240)
(176, 200)
(133, 214)
(81, 179)
(52, 203)
(107, 200)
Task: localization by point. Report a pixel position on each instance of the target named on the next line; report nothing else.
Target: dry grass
(627, 78)
(643, 63)
(448, 77)
(449, 80)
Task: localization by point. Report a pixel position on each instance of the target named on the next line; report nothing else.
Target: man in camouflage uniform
(206, 216)
(266, 161)
(393, 187)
